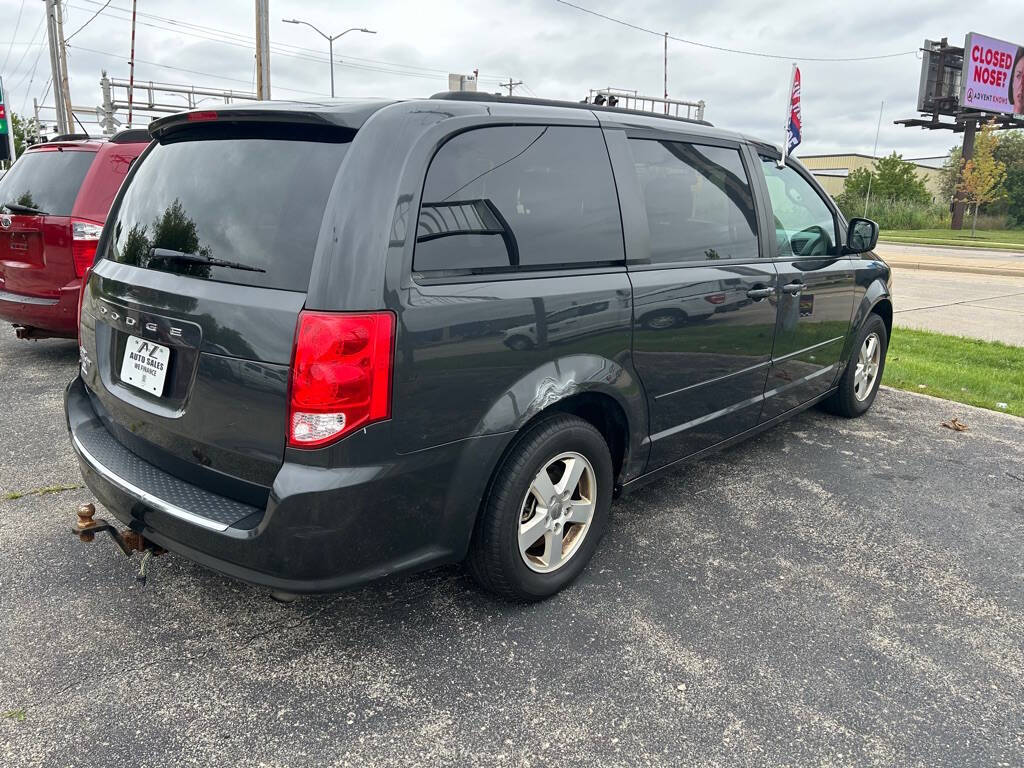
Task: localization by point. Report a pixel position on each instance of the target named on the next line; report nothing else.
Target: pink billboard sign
(993, 78)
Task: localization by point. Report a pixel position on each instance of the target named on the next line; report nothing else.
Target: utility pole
(131, 73)
(666, 73)
(65, 83)
(56, 42)
(106, 111)
(263, 50)
(510, 85)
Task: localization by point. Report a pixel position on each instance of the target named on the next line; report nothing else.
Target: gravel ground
(830, 593)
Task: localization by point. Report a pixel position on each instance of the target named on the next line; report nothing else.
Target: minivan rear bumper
(57, 316)
(323, 530)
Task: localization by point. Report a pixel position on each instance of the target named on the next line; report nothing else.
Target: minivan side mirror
(862, 236)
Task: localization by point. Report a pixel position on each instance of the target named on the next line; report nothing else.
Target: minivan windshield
(239, 208)
(46, 180)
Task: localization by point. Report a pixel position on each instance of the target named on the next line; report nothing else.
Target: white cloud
(559, 52)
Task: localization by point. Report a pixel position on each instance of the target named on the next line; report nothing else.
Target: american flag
(793, 129)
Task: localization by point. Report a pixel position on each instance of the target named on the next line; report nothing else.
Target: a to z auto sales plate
(145, 365)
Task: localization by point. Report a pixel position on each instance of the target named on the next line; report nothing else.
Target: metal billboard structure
(951, 75)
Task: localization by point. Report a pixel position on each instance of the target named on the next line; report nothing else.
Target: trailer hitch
(128, 542)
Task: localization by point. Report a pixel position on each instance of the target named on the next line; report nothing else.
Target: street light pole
(330, 41)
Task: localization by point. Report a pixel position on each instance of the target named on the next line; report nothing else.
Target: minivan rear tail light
(715, 298)
(84, 237)
(341, 375)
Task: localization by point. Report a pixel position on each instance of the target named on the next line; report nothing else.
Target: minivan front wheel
(547, 509)
(859, 383)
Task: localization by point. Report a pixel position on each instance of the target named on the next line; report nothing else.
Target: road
(831, 593)
(987, 307)
(902, 250)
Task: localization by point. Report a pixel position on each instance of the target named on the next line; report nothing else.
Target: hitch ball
(85, 523)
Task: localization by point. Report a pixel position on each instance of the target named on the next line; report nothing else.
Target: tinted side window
(523, 197)
(698, 200)
(804, 225)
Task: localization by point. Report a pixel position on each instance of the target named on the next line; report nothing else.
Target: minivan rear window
(46, 179)
(254, 199)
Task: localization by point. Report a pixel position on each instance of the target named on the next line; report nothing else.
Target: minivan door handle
(760, 293)
(792, 288)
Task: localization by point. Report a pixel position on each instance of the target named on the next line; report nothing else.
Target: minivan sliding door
(703, 296)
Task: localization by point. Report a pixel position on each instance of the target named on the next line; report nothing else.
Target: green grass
(981, 373)
(14, 714)
(46, 489)
(1001, 239)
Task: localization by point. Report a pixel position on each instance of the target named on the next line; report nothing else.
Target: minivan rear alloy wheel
(545, 511)
(556, 513)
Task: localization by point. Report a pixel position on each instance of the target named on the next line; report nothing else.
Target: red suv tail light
(81, 298)
(84, 236)
(341, 375)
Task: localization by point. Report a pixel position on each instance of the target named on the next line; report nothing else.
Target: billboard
(993, 75)
(939, 90)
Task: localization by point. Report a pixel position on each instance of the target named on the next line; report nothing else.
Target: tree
(982, 178)
(896, 180)
(950, 175)
(892, 180)
(1010, 152)
(20, 127)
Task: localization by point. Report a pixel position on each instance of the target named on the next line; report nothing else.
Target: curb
(1001, 414)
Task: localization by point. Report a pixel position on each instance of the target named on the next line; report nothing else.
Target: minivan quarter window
(804, 224)
(698, 201)
(508, 198)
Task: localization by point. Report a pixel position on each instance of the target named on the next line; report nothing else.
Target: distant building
(831, 170)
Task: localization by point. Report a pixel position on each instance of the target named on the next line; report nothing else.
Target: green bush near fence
(897, 214)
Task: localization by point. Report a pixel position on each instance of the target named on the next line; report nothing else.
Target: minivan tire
(844, 401)
(494, 559)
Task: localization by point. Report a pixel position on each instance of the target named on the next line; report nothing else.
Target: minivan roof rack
(131, 136)
(69, 137)
(497, 97)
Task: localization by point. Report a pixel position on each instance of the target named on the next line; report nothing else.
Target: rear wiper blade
(165, 254)
(19, 208)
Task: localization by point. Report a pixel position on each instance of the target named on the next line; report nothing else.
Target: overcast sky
(557, 51)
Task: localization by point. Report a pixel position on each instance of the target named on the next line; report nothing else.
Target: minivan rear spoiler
(342, 115)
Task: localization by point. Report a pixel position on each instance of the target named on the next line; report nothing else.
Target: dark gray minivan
(325, 343)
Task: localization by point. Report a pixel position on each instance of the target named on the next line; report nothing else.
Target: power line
(14, 35)
(101, 10)
(35, 35)
(239, 40)
(787, 57)
(191, 71)
(31, 79)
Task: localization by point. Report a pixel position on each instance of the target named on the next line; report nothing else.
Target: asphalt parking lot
(831, 593)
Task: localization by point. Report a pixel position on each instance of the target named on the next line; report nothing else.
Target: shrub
(897, 214)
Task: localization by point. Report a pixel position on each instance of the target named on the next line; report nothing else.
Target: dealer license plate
(145, 365)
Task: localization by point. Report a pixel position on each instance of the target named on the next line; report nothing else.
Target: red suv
(53, 203)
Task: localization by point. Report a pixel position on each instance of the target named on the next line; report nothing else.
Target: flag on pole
(794, 131)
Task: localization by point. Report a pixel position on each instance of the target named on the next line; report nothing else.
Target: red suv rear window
(46, 179)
